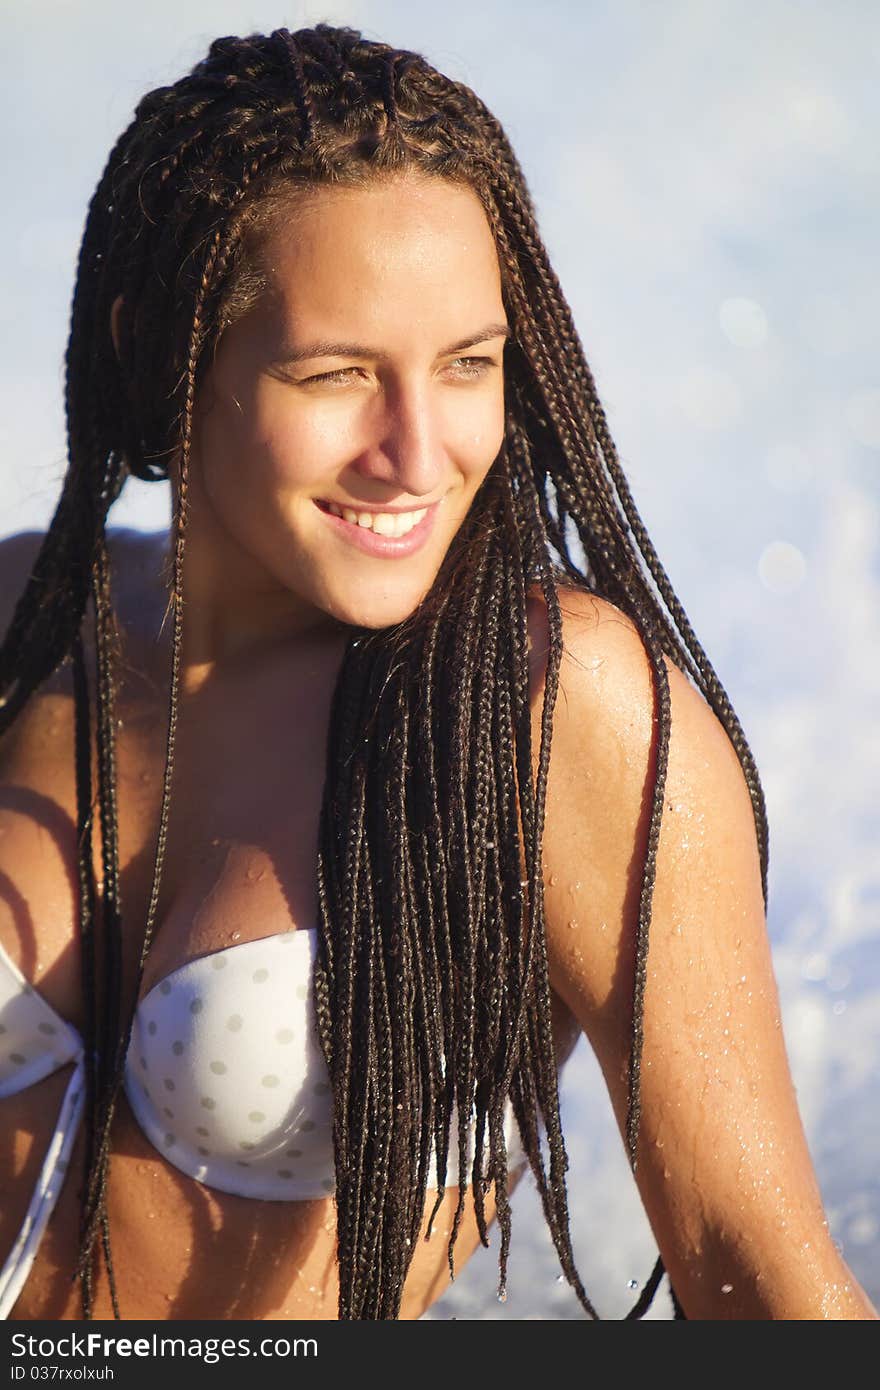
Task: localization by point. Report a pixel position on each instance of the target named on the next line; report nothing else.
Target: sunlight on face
(369, 380)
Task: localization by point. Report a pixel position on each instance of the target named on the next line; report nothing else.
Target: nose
(406, 449)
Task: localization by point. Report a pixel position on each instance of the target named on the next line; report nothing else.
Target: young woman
(330, 819)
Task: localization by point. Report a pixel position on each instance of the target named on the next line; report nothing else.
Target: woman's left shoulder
(607, 690)
(605, 743)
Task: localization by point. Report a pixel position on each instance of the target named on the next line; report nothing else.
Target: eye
(341, 375)
(472, 366)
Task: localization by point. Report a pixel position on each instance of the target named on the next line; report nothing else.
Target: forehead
(402, 250)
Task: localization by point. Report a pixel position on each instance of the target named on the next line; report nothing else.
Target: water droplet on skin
(553, 880)
(236, 936)
(727, 1288)
(572, 925)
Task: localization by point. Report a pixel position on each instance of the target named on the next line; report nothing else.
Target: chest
(242, 835)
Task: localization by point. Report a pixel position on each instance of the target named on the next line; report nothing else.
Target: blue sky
(707, 177)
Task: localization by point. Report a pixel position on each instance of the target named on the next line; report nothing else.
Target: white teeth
(383, 523)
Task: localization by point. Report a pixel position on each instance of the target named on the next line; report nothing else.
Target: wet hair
(431, 982)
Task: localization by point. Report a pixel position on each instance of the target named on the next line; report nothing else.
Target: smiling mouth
(385, 535)
(392, 525)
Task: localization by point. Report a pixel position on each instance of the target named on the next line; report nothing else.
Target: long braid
(432, 991)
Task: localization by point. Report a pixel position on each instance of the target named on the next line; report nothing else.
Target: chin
(377, 610)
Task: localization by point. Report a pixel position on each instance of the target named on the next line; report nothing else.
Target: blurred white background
(706, 175)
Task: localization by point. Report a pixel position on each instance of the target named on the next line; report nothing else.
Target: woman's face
(350, 417)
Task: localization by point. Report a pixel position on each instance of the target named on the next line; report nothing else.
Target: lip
(383, 547)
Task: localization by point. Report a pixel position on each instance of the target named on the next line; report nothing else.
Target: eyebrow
(325, 348)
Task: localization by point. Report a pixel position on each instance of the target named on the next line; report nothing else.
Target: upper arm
(723, 1167)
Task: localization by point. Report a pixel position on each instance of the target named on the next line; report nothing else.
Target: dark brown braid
(432, 981)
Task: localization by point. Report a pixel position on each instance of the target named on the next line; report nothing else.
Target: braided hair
(431, 981)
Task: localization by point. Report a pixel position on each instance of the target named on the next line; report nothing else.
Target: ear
(115, 315)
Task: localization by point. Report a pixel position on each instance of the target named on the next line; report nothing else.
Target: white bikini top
(224, 1075)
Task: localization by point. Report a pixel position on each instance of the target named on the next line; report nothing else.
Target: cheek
(479, 428)
(259, 436)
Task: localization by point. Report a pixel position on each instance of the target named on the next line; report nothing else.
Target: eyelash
(477, 367)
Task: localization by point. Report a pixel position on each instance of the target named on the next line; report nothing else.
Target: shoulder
(607, 714)
(603, 763)
(139, 588)
(18, 555)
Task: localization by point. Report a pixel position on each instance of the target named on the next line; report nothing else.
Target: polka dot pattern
(34, 1040)
(216, 1059)
(237, 1045)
